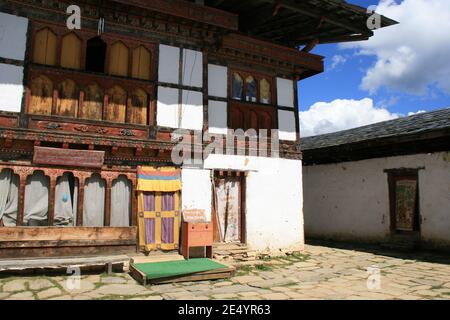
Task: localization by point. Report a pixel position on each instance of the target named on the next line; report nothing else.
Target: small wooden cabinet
(197, 235)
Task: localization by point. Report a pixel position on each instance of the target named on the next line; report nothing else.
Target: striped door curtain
(159, 202)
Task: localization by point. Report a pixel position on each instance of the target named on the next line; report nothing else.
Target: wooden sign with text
(194, 216)
(68, 157)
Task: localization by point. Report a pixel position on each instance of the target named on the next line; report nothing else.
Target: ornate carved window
(85, 95)
(237, 86)
(257, 110)
(251, 88)
(265, 95)
(44, 50)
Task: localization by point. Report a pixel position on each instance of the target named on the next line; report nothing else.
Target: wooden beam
(188, 10)
(310, 11)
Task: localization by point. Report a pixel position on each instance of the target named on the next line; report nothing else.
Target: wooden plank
(66, 251)
(118, 59)
(68, 157)
(138, 275)
(71, 51)
(92, 107)
(64, 243)
(68, 95)
(44, 51)
(141, 66)
(67, 233)
(41, 98)
(137, 112)
(194, 277)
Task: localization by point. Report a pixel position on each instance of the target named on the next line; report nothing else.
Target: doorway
(229, 207)
(404, 201)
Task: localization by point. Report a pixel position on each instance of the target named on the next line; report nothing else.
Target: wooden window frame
(257, 77)
(85, 34)
(25, 171)
(269, 108)
(81, 81)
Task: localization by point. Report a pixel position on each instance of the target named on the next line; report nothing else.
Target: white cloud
(341, 114)
(336, 60)
(414, 113)
(413, 55)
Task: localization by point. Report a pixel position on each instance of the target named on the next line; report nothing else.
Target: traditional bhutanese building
(386, 184)
(88, 114)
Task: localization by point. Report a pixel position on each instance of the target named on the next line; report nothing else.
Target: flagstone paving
(320, 272)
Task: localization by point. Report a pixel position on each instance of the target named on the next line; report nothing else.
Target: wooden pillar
(51, 203)
(80, 205)
(108, 202)
(134, 202)
(21, 204)
(296, 109)
(205, 90)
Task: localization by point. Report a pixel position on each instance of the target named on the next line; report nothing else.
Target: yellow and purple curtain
(158, 179)
(159, 203)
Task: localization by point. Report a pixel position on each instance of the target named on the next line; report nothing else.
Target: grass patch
(437, 287)
(263, 267)
(242, 270)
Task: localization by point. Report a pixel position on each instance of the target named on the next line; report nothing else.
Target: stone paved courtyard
(318, 273)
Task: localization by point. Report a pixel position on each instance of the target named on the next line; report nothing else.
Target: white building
(386, 183)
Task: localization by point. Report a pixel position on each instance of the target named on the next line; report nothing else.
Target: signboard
(68, 157)
(194, 215)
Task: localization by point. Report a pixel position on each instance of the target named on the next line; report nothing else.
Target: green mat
(167, 269)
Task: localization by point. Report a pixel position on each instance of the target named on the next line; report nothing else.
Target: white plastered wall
(172, 112)
(192, 111)
(350, 200)
(13, 36)
(217, 117)
(286, 119)
(285, 93)
(167, 107)
(217, 87)
(11, 87)
(192, 69)
(217, 81)
(13, 39)
(169, 63)
(196, 192)
(274, 203)
(286, 125)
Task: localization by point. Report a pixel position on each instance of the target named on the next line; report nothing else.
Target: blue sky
(409, 84)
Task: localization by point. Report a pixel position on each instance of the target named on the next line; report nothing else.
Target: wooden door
(404, 203)
(228, 217)
(159, 220)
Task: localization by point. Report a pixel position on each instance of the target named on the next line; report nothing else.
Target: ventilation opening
(95, 55)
